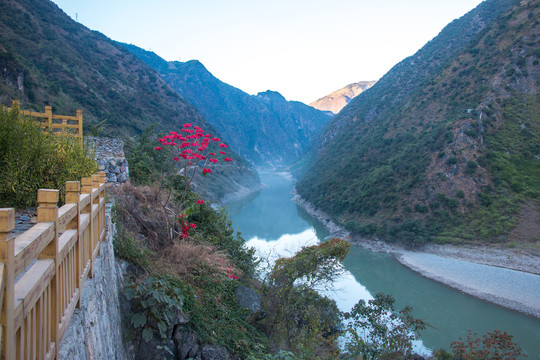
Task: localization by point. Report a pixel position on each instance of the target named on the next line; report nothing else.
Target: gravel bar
(512, 289)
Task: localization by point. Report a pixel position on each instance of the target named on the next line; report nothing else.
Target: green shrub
(471, 167)
(154, 306)
(421, 208)
(31, 159)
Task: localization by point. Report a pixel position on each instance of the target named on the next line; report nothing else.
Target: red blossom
(222, 152)
(222, 145)
(193, 225)
(200, 201)
(212, 154)
(187, 125)
(227, 159)
(158, 148)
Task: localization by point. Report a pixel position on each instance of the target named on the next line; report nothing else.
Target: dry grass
(188, 259)
(143, 211)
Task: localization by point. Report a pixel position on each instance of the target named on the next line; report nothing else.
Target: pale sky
(303, 49)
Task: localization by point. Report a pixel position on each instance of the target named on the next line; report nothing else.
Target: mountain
(46, 58)
(337, 100)
(264, 128)
(446, 145)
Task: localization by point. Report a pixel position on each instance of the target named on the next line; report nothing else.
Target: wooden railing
(56, 124)
(42, 270)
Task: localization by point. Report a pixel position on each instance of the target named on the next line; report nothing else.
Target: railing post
(48, 212)
(99, 225)
(7, 255)
(101, 175)
(80, 129)
(48, 114)
(87, 189)
(73, 190)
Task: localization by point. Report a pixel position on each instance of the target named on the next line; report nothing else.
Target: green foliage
(412, 232)
(471, 167)
(376, 331)
(496, 345)
(452, 160)
(299, 318)
(31, 159)
(145, 164)
(154, 306)
(198, 265)
(126, 246)
(281, 355)
(510, 158)
(421, 208)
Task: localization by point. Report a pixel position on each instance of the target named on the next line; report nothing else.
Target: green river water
(276, 226)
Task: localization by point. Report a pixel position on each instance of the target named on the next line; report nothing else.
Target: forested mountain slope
(46, 58)
(446, 146)
(264, 128)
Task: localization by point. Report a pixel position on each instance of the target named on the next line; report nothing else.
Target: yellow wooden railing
(56, 124)
(42, 270)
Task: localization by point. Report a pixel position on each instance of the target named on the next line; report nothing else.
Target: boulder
(187, 344)
(249, 299)
(215, 352)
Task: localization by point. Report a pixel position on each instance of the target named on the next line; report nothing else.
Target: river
(276, 226)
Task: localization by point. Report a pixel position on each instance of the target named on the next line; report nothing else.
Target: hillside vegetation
(265, 128)
(31, 159)
(446, 145)
(46, 58)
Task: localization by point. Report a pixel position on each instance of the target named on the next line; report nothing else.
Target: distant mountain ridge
(337, 100)
(264, 128)
(445, 146)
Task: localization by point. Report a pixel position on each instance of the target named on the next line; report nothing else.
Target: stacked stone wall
(110, 157)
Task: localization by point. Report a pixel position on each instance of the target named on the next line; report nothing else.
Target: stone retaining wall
(110, 158)
(94, 331)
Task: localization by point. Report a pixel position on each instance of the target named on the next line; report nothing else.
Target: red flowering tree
(191, 150)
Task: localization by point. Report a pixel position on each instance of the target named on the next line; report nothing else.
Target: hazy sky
(304, 49)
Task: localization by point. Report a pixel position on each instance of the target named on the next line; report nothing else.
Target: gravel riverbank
(509, 277)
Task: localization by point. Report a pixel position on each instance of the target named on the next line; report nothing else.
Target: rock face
(94, 331)
(337, 100)
(110, 158)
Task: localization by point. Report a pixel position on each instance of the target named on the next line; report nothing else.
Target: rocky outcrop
(109, 154)
(94, 331)
(338, 99)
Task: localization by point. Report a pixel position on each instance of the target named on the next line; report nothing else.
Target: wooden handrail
(51, 125)
(42, 270)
